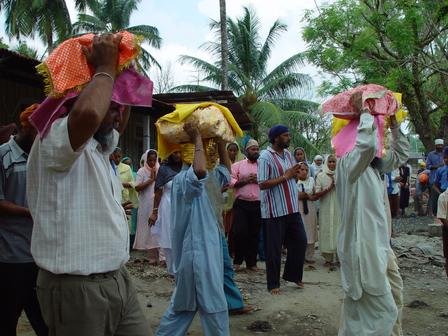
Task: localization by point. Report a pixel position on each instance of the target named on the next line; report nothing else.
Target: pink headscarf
(146, 167)
(130, 88)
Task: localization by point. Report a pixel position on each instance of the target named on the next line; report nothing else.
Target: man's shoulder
(125, 167)
(4, 148)
(237, 164)
(442, 169)
(442, 203)
(265, 154)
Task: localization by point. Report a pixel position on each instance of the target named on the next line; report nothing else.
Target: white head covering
(318, 157)
(327, 170)
(250, 143)
(438, 142)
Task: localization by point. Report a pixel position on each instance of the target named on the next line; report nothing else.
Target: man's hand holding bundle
(192, 129)
(103, 56)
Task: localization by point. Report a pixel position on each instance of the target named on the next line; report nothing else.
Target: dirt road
(314, 310)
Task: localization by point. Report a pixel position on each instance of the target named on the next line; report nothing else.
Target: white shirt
(395, 185)
(442, 209)
(363, 242)
(80, 226)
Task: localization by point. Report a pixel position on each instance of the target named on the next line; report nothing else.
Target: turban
(438, 142)
(251, 143)
(24, 122)
(318, 157)
(276, 131)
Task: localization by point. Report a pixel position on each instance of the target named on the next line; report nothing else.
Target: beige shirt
(363, 242)
(442, 209)
(80, 226)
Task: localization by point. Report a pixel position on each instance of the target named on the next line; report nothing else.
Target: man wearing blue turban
(279, 198)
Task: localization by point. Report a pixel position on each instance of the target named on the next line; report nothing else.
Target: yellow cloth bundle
(214, 121)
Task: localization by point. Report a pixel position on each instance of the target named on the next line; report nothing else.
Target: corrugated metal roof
(19, 67)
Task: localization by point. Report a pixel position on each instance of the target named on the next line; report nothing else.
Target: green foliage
(2, 44)
(270, 97)
(23, 49)
(114, 16)
(401, 44)
(49, 19)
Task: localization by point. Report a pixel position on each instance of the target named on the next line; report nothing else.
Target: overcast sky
(184, 26)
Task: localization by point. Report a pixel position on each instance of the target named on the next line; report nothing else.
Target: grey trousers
(96, 305)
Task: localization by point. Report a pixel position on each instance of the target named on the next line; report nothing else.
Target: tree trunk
(50, 46)
(224, 46)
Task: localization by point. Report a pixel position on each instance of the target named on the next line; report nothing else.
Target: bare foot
(241, 311)
(301, 285)
(275, 291)
(253, 269)
(237, 268)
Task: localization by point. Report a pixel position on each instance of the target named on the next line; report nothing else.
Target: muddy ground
(315, 310)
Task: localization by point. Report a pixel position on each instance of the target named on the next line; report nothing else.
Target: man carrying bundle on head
(196, 240)
(370, 279)
(196, 216)
(80, 236)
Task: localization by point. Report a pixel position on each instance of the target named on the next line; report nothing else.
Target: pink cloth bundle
(380, 102)
(130, 88)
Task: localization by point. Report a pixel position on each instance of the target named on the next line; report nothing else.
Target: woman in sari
(329, 220)
(145, 181)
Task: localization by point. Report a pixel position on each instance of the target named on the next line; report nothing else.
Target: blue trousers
(233, 295)
(177, 323)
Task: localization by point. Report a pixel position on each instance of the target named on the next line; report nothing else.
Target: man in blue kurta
(197, 243)
(433, 162)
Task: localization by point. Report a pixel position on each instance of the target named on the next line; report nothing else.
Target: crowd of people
(72, 206)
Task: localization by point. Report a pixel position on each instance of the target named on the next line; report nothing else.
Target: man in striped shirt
(280, 210)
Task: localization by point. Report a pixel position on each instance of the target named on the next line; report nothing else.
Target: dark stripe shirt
(282, 199)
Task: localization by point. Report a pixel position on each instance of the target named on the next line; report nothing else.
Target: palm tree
(114, 16)
(50, 19)
(23, 49)
(224, 47)
(270, 97)
(3, 44)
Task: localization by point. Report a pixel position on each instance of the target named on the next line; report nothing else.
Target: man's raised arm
(93, 103)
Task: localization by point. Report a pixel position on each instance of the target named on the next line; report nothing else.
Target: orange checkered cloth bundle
(67, 69)
(66, 72)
